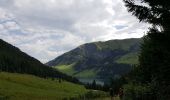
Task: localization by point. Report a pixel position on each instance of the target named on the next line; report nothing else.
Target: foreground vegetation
(150, 79)
(23, 87)
(14, 86)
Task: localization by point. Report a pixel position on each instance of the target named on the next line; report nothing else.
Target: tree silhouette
(155, 12)
(94, 84)
(154, 60)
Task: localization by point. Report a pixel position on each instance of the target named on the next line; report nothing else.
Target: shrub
(138, 92)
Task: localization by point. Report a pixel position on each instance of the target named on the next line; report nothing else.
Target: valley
(84, 50)
(22, 77)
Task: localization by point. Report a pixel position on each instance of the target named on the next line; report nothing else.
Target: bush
(95, 94)
(138, 92)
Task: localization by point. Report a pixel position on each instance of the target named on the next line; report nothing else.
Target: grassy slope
(69, 70)
(130, 58)
(91, 73)
(116, 44)
(26, 87)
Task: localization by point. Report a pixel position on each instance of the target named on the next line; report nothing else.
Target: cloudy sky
(46, 29)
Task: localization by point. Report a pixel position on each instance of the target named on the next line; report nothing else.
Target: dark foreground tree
(153, 70)
(155, 12)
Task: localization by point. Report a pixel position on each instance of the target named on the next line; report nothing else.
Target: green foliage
(156, 13)
(117, 83)
(155, 64)
(15, 86)
(154, 60)
(92, 94)
(138, 92)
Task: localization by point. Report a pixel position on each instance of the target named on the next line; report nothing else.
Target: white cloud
(47, 28)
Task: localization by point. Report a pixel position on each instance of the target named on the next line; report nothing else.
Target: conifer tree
(154, 59)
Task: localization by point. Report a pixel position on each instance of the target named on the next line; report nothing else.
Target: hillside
(14, 60)
(99, 60)
(15, 86)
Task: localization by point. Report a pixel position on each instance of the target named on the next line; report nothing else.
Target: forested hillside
(14, 60)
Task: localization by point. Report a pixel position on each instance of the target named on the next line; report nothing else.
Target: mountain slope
(14, 60)
(15, 86)
(99, 60)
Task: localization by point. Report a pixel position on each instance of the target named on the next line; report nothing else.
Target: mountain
(14, 60)
(99, 60)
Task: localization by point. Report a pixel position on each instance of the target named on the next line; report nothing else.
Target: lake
(90, 80)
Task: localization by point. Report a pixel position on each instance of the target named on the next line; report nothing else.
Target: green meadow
(69, 70)
(23, 87)
(130, 58)
(14, 86)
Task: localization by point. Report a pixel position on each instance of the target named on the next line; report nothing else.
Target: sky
(46, 29)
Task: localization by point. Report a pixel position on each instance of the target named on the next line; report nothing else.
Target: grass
(91, 73)
(116, 44)
(108, 98)
(15, 86)
(131, 58)
(67, 69)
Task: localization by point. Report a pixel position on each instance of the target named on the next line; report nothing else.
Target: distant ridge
(100, 60)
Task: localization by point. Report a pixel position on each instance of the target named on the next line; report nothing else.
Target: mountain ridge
(96, 57)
